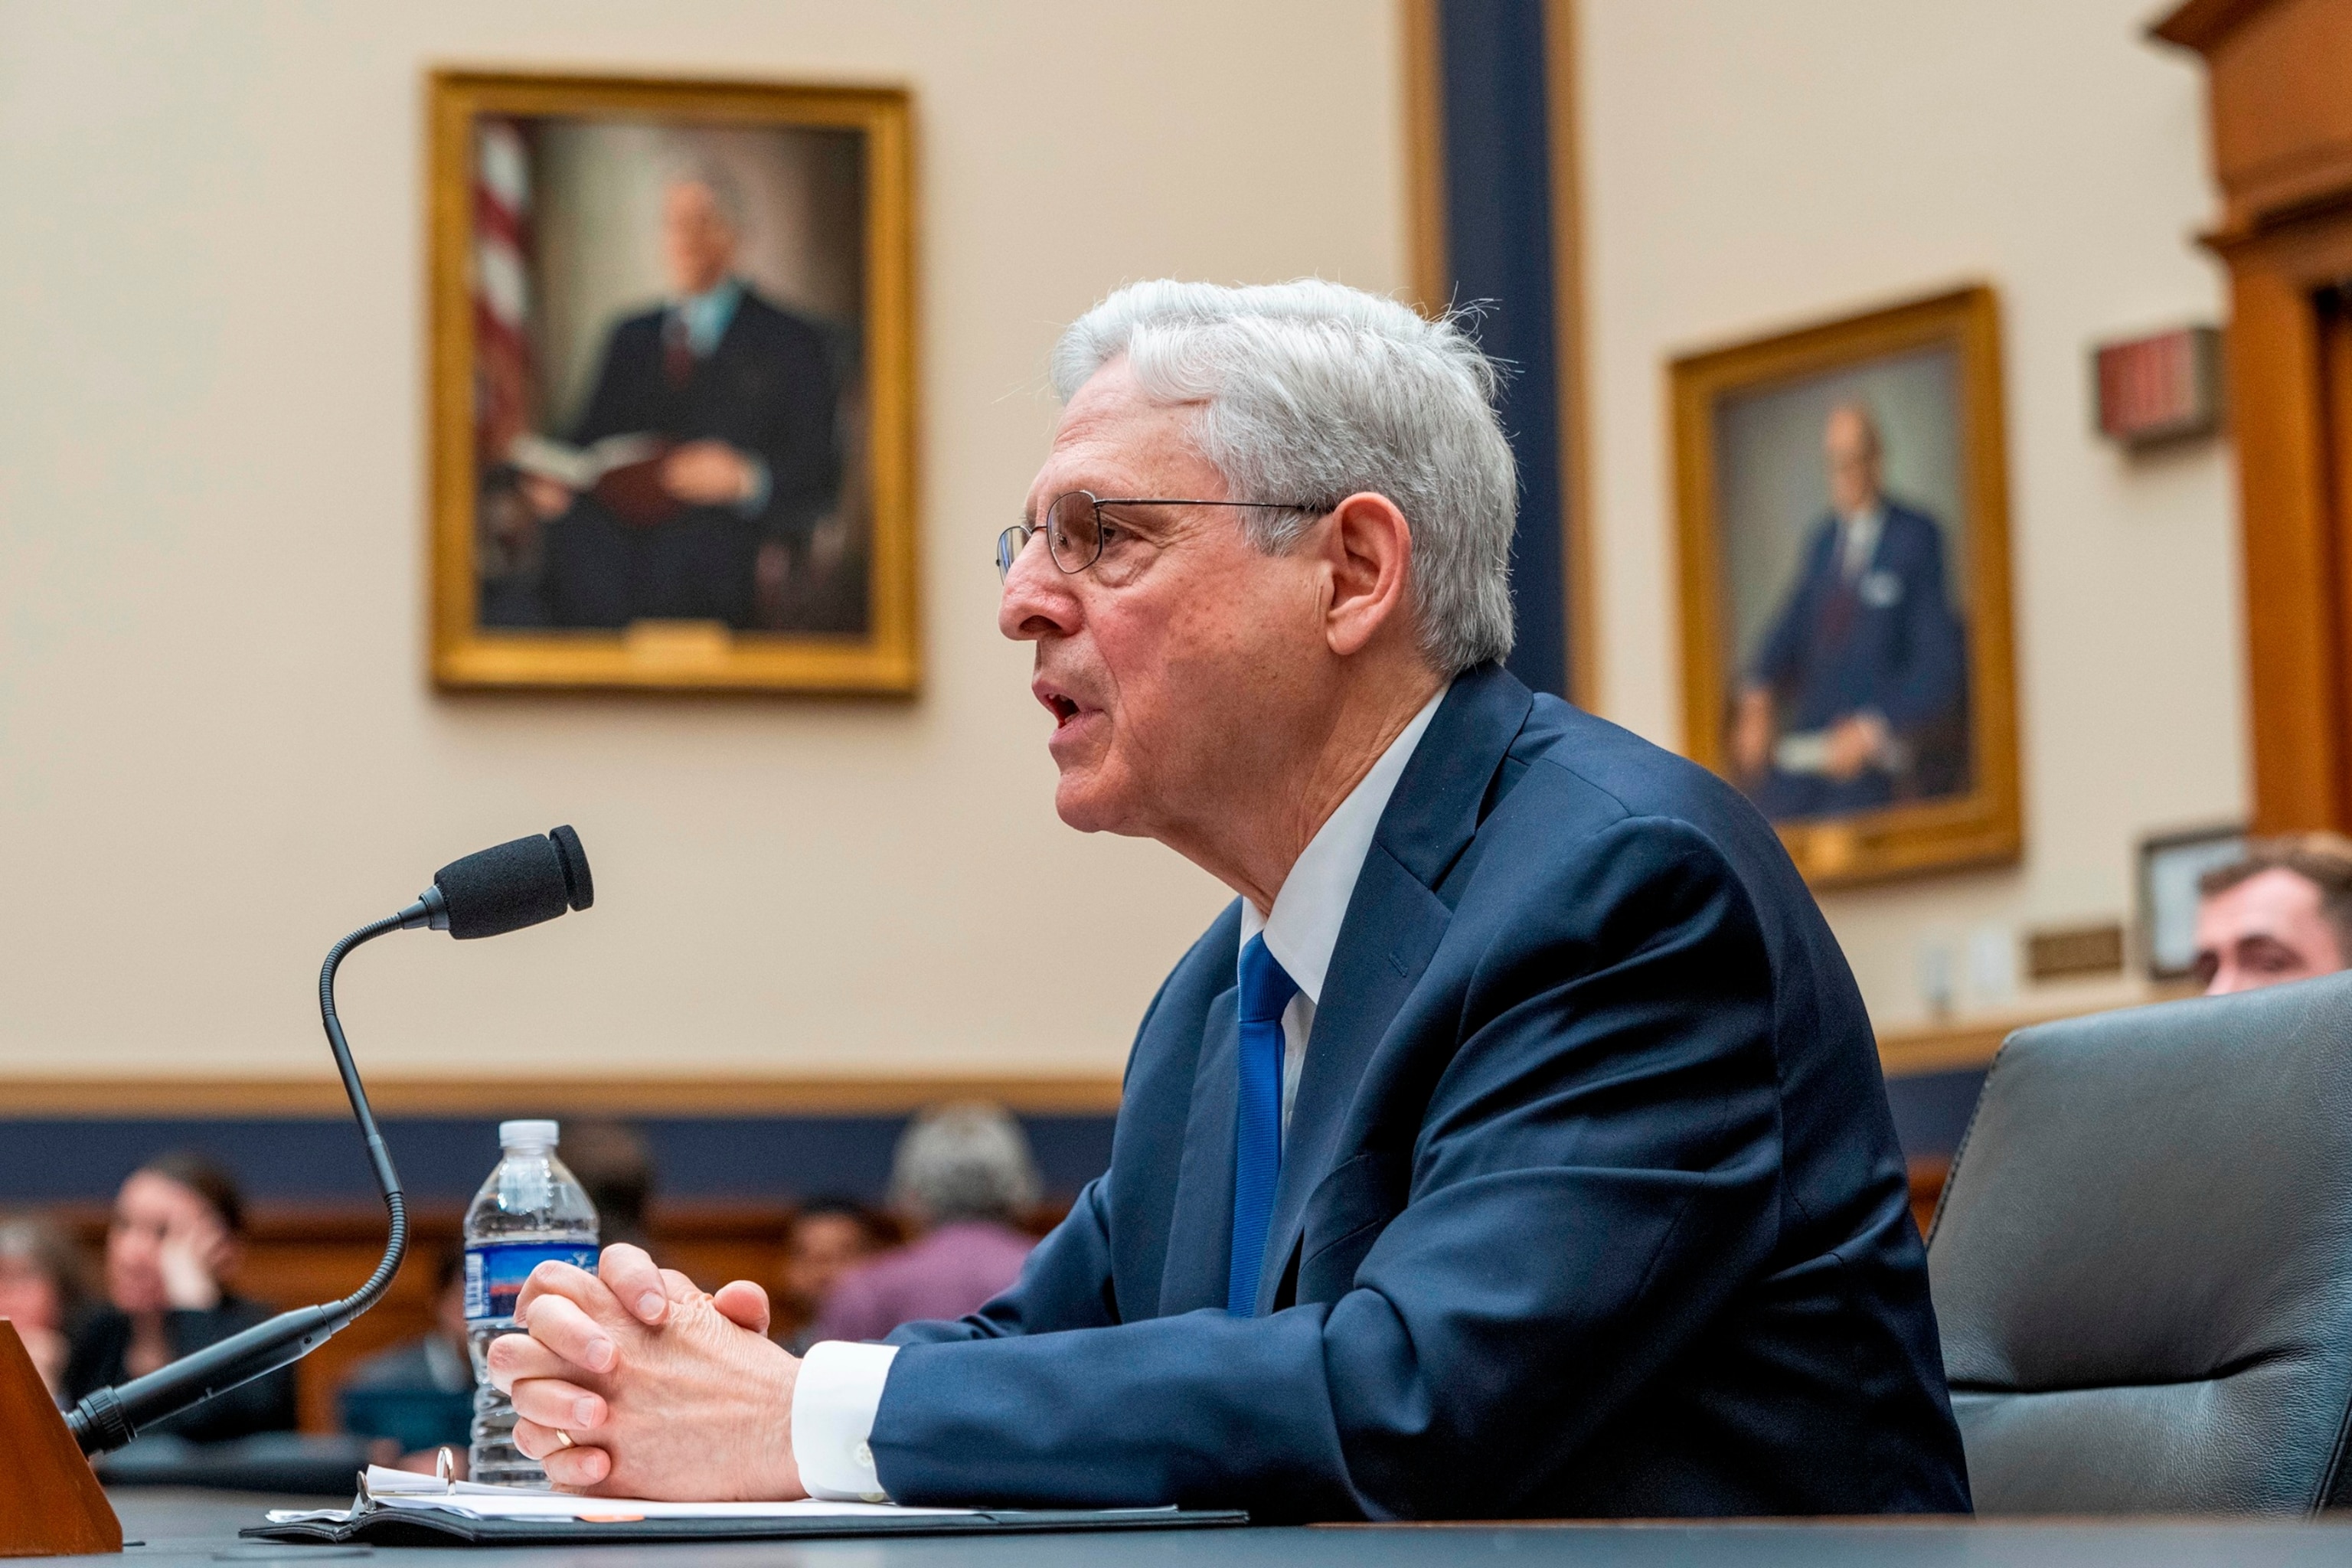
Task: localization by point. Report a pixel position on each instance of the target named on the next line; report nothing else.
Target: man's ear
(1367, 552)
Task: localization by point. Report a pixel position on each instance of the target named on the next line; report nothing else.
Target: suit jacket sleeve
(1596, 1172)
(1779, 658)
(1927, 683)
(793, 431)
(616, 404)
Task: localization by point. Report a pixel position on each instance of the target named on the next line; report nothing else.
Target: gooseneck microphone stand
(112, 1417)
(504, 888)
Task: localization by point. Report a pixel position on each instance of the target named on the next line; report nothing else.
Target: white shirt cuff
(833, 1403)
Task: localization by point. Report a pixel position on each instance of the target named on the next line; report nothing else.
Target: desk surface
(193, 1528)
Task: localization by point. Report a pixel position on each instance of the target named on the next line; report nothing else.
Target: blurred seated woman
(43, 1292)
(171, 1244)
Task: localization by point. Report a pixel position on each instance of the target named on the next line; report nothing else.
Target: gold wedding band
(562, 1438)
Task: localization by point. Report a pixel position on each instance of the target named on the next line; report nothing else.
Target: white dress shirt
(840, 1386)
(1858, 540)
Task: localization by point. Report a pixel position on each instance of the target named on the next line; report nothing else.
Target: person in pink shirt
(962, 1177)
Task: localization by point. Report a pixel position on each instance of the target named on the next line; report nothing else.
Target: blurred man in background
(170, 1249)
(2284, 912)
(962, 1179)
(43, 1292)
(826, 1239)
(615, 1168)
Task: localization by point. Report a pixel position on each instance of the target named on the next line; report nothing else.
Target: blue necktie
(1266, 991)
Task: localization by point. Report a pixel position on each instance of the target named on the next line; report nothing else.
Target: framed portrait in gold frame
(672, 385)
(1842, 509)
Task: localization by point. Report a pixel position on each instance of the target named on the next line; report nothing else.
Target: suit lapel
(1201, 1230)
(1393, 924)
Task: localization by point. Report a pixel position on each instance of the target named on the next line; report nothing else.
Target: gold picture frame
(1738, 413)
(829, 604)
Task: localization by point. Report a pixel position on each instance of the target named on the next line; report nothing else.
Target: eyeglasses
(1076, 529)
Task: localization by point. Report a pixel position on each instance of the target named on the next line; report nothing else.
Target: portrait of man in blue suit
(708, 449)
(1856, 697)
(1511, 1145)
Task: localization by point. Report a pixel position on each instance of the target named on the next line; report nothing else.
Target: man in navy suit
(1857, 696)
(1513, 1145)
(742, 393)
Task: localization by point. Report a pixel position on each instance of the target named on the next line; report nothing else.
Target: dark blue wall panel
(1498, 187)
(1932, 1110)
(444, 1159)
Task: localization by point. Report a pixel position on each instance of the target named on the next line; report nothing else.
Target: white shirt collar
(1859, 536)
(1303, 927)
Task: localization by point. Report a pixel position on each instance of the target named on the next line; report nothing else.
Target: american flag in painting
(502, 378)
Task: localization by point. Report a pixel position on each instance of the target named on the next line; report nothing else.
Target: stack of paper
(382, 1488)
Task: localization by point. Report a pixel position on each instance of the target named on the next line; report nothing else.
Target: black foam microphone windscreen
(509, 886)
(577, 885)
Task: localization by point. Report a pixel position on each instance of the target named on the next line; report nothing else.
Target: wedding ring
(562, 1438)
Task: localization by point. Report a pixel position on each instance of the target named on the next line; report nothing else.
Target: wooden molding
(2281, 130)
(149, 1097)
(50, 1504)
(1562, 102)
(1947, 1047)
(1424, 158)
(1432, 282)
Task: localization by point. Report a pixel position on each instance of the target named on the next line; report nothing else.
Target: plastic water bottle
(530, 1210)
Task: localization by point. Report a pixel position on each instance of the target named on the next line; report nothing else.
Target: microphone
(498, 889)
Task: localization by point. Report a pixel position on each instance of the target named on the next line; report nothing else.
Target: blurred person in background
(420, 1395)
(962, 1179)
(172, 1246)
(43, 1292)
(616, 1167)
(2284, 912)
(826, 1239)
(1857, 695)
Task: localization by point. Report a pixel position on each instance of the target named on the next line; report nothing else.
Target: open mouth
(1063, 709)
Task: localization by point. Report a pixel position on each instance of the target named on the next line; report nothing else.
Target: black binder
(435, 1527)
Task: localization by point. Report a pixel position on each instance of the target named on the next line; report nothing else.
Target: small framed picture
(2170, 866)
(1841, 504)
(672, 385)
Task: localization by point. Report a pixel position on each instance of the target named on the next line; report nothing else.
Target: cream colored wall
(1749, 167)
(217, 750)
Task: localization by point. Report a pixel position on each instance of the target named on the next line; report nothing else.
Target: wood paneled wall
(2282, 138)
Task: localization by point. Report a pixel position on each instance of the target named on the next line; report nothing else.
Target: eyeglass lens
(1072, 531)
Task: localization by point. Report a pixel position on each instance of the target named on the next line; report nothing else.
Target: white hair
(968, 1161)
(1310, 391)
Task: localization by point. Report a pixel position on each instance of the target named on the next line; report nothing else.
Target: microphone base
(50, 1504)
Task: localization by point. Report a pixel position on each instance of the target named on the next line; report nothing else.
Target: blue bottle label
(495, 1272)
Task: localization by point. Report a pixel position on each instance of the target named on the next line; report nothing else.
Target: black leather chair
(2143, 1262)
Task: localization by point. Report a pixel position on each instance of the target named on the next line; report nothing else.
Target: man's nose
(1037, 600)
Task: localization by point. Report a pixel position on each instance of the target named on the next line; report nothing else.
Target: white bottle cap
(527, 1134)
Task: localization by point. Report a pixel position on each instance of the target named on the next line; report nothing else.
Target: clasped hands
(633, 1382)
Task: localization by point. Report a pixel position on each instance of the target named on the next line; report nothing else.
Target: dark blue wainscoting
(444, 1159)
(1932, 1110)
